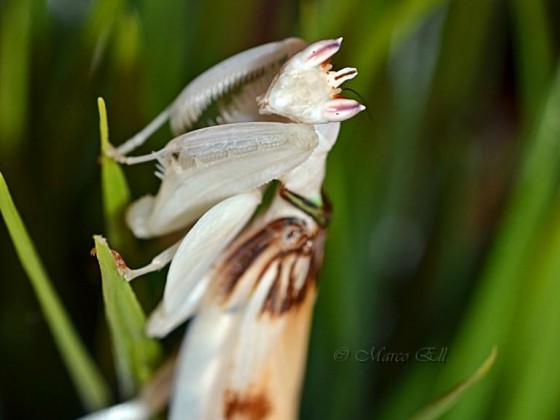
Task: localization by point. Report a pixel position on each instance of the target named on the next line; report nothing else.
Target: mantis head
(306, 90)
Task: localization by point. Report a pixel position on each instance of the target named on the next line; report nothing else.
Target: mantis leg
(157, 263)
(260, 62)
(321, 213)
(138, 139)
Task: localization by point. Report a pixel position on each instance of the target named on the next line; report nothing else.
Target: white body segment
(250, 290)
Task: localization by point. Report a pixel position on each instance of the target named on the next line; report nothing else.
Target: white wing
(187, 277)
(206, 166)
(244, 353)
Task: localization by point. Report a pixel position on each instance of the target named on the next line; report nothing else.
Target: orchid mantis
(249, 289)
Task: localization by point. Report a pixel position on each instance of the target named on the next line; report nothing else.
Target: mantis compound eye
(306, 90)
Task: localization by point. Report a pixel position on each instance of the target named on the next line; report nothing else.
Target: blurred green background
(446, 229)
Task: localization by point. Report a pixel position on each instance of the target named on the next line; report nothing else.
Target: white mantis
(251, 288)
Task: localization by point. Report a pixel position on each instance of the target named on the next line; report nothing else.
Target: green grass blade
(15, 52)
(531, 388)
(328, 17)
(309, 20)
(444, 403)
(101, 19)
(491, 318)
(534, 50)
(91, 387)
(116, 194)
(394, 24)
(467, 39)
(136, 355)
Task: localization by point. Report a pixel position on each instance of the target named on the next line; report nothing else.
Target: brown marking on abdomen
(246, 406)
(245, 254)
(277, 303)
(282, 242)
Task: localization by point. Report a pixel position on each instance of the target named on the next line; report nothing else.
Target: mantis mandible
(249, 289)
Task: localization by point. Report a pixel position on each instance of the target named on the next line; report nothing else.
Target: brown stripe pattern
(290, 247)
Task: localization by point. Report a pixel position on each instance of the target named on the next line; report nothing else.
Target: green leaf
(392, 26)
(501, 289)
(101, 19)
(91, 387)
(444, 403)
(116, 194)
(531, 390)
(136, 355)
(15, 54)
(534, 50)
